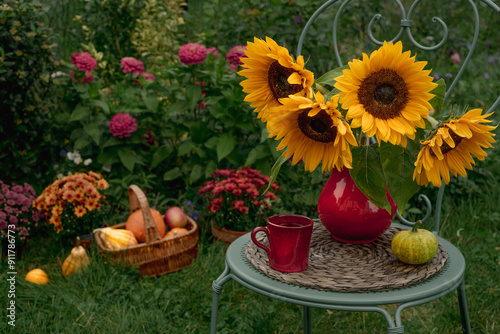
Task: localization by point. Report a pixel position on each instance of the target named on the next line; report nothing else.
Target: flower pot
(348, 214)
(227, 236)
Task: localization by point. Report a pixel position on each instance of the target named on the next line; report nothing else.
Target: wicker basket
(228, 236)
(157, 256)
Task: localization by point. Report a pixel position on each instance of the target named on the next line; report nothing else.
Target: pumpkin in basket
(135, 224)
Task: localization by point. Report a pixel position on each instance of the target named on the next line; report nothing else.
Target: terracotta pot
(227, 236)
(348, 214)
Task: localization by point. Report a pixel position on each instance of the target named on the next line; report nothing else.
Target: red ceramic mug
(289, 238)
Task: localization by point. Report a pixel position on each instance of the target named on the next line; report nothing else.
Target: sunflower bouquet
(380, 116)
(73, 205)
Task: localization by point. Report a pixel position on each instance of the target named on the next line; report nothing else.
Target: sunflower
(272, 74)
(387, 94)
(312, 131)
(450, 148)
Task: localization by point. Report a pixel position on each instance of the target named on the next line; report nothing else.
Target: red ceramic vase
(348, 214)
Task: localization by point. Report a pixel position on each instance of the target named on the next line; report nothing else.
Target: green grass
(108, 299)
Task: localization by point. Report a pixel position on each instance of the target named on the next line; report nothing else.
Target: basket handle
(138, 201)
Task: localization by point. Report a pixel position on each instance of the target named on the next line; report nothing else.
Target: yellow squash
(115, 238)
(37, 276)
(75, 261)
(415, 246)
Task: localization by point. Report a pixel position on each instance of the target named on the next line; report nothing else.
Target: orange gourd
(176, 231)
(135, 224)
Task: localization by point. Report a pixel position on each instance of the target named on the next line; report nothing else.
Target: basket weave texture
(157, 256)
(335, 266)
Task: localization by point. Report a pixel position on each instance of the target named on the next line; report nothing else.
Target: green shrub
(27, 68)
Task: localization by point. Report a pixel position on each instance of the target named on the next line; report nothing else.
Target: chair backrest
(406, 27)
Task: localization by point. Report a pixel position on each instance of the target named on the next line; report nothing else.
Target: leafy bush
(27, 66)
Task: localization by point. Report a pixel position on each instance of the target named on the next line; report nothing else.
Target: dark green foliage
(27, 65)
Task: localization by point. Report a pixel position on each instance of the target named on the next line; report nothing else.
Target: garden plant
(105, 94)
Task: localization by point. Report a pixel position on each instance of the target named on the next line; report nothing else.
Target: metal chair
(450, 278)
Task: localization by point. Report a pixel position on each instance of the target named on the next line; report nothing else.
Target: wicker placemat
(340, 267)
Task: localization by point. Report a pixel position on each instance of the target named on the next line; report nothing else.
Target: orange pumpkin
(176, 231)
(135, 224)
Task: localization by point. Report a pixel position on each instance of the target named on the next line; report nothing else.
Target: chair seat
(442, 283)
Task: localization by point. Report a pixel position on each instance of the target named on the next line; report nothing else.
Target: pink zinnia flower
(122, 125)
(148, 76)
(455, 58)
(130, 64)
(234, 55)
(192, 53)
(81, 76)
(84, 61)
(213, 51)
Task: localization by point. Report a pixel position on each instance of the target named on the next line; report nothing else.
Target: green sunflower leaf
(275, 171)
(437, 101)
(329, 77)
(398, 165)
(368, 175)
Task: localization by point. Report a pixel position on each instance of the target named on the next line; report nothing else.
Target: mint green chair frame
(451, 277)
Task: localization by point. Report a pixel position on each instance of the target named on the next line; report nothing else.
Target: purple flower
(491, 60)
(3, 224)
(448, 75)
(13, 219)
(486, 75)
(436, 76)
(298, 20)
(63, 153)
(8, 209)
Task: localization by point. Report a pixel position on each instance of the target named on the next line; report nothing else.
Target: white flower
(87, 162)
(70, 156)
(106, 168)
(77, 160)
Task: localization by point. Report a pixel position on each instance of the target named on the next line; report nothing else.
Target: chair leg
(464, 313)
(217, 290)
(307, 319)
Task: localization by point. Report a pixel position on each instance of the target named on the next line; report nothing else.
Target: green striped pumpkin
(415, 246)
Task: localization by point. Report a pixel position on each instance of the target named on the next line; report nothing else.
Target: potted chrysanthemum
(373, 123)
(73, 205)
(234, 202)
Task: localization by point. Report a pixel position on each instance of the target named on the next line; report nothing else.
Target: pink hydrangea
(84, 61)
(234, 55)
(213, 51)
(122, 125)
(192, 53)
(130, 64)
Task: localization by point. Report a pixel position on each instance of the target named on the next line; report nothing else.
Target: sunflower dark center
(277, 79)
(445, 148)
(383, 94)
(318, 128)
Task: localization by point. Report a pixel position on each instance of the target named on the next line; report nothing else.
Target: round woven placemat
(340, 267)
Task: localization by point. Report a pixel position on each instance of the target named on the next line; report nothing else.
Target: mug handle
(254, 232)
